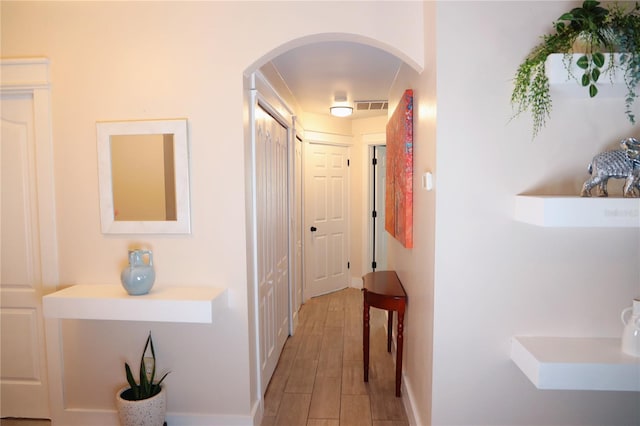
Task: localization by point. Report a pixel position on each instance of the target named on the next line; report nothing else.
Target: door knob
(314, 229)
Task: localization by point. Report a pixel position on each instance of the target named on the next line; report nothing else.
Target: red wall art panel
(399, 187)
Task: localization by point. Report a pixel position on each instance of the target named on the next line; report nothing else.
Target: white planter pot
(146, 412)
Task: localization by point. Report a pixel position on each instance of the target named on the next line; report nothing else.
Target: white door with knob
(28, 263)
(326, 218)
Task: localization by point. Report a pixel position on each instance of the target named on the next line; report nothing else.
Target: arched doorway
(263, 95)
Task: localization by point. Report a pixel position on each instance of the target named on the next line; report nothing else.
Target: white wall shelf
(576, 363)
(111, 302)
(610, 84)
(561, 211)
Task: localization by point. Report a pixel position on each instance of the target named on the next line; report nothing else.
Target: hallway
(319, 377)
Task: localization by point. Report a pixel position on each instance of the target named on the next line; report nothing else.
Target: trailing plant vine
(600, 31)
(626, 27)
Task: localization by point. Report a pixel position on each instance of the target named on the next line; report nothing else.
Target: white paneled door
(326, 206)
(271, 167)
(25, 184)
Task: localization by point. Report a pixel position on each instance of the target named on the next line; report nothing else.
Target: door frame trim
(262, 94)
(31, 77)
(370, 140)
(297, 227)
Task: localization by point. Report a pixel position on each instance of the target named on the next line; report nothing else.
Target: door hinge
(374, 161)
(373, 265)
(348, 265)
(374, 214)
(348, 161)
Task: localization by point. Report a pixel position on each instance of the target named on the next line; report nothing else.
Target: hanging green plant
(598, 32)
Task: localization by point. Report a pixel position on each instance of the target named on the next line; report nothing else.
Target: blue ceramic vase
(139, 276)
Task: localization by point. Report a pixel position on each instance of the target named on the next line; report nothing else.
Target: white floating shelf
(609, 84)
(560, 211)
(576, 363)
(111, 302)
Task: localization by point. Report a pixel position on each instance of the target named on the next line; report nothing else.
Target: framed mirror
(143, 169)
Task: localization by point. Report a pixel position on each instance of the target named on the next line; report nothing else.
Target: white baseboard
(83, 417)
(187, 419)
(356, 282)
(257, 413)
(409, 402)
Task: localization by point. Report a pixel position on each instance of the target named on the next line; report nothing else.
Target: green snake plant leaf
(132, 381)
(163, 377)
(150, 342)
(153, 355)
(145, 386)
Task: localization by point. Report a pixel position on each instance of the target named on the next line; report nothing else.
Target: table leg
(389, 329)
(365, 339)
(400, 341)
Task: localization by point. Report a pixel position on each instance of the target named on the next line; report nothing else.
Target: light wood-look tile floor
(319, 377)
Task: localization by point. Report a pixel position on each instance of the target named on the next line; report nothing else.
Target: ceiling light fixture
(340, 106)
(341, 111)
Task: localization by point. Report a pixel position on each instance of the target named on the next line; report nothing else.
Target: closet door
(271, 167)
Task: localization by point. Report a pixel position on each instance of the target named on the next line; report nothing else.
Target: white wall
(151, 60)
(495, 277)
(415, 267)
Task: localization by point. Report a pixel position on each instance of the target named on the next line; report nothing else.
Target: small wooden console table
(383, 290)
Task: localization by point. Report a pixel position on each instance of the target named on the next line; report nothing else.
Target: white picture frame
(175, 127)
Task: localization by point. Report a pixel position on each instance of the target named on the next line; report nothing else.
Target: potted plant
(594, 33)
(143, 403)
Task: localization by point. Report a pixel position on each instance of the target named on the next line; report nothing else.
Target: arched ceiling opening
(318, 70)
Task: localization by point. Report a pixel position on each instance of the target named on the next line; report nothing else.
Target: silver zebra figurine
(620, 164)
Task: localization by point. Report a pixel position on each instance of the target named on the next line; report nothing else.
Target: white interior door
(271, 156)
(24, 385)
(326, 218)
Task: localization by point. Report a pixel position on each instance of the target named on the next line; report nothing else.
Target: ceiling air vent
(371, 105)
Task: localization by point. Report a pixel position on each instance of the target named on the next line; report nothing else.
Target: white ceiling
(315, 73)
